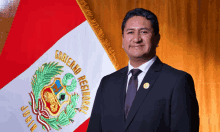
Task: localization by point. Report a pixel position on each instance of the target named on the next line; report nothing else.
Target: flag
(51, 66)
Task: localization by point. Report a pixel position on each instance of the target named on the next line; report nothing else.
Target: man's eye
(144, 32)
(130, 32)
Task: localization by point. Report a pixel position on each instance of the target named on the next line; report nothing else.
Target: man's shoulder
(171, 71)
(116, 74)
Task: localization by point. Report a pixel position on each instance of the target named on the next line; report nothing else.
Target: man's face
(138, 39)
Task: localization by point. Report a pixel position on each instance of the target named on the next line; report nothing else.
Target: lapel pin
(146, 85)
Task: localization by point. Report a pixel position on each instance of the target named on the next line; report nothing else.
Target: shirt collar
(144, 67)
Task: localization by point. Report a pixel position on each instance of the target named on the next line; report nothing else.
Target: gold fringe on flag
(98, 31)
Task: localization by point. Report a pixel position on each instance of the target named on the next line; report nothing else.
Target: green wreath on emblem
(65, 116)
(43, 77)
(73, 84)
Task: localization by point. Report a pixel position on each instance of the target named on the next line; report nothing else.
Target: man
(147, 95)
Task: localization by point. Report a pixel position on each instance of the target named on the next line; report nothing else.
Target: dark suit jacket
(168, 105)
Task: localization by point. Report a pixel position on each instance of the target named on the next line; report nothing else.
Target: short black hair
(144, 13)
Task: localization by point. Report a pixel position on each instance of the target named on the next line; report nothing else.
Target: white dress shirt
(144, 68)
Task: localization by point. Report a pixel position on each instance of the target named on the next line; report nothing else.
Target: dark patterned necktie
(132, 89)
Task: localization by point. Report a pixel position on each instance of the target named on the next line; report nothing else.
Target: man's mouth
(136, 46)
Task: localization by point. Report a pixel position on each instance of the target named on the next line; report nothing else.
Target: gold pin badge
(146, 85)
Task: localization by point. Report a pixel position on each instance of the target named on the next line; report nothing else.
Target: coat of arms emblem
(52, 99)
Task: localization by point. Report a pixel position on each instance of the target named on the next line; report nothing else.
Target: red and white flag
(51, 66)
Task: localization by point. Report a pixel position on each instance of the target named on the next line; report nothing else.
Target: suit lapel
(150, 77)
(123, 81)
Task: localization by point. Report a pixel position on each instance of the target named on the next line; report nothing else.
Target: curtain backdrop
(8, 9)
(190, 41)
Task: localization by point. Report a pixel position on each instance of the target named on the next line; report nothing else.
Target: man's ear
(122, 41)
(157, 39)
(122, 44)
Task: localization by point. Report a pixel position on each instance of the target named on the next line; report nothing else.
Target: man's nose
(137, 37)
